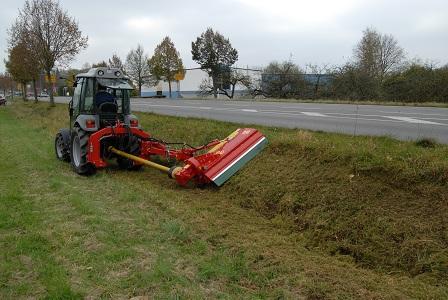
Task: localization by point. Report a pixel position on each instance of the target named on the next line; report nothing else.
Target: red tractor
(102, 129)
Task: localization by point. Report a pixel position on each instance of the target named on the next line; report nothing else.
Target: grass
(426, 143)
(315, 215)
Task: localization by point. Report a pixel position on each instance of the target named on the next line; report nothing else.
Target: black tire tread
(85, 168)
(65, 151)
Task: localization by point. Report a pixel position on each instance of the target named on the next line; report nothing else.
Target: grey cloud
(260, 37)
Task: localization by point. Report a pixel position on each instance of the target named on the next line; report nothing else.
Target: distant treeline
(378, 70)
(413, 83)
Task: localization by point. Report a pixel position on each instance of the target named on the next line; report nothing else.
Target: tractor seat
(107, 112)
(108, 108)
(103, 97)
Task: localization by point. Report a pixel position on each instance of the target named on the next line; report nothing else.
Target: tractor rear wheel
(61, 149)
(78, 152)
(134, 149)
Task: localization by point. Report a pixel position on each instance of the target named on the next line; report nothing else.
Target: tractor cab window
(119, 89)
(77, 95)
(118, 94)
(88, 94)
(103, 95)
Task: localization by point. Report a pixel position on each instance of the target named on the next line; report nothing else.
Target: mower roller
(103, 129)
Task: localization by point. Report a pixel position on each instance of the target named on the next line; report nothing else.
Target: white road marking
(332, 115)
(268, 105)
(147, 105)
(413, 120)
(381, 116)
(411, 113)
(312, 114)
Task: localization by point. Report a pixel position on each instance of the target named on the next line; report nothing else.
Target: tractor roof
(103, 72)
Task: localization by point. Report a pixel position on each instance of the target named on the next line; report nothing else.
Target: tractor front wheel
(61, 148)
(78, 152)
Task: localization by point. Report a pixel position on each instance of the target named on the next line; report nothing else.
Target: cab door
(76, 101)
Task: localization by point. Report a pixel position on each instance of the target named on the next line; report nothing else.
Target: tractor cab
(101, 97)
(101, 100)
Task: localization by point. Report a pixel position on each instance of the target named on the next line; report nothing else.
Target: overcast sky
(311, 31)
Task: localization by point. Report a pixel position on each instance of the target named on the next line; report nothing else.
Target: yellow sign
(179, 76)
(52, 78)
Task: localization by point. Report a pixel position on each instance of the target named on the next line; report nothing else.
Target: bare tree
(166, 62)
(137, 67)
(115, 62)
(318, 71)
(49, 33)
(86, 66)
(228, 85)
(378, 54)
(100, 64)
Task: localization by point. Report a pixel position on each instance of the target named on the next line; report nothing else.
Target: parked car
(2, 100)
(43, 94)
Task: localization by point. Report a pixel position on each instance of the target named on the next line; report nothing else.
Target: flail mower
(102, 129)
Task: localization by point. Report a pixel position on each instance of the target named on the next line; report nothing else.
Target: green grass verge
(315, 215)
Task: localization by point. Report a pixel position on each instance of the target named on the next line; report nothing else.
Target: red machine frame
(213, 162)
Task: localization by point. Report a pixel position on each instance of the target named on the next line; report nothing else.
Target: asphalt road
(402, 122)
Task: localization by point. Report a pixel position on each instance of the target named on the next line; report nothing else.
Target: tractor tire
(134, 149)
(78, 152)
(61, 149)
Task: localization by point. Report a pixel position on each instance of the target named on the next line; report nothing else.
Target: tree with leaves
(137, 68)
(6, 83)
(115, 62)
(376, 57)
(215, 54)
(283, 80)
(166, 62)
(51, 35)
(378, 54)
(22, 67)
(354, 83)
(70, 79)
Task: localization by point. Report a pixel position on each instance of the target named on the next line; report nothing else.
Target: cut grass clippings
(315, 215)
